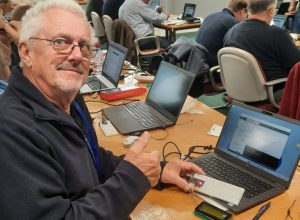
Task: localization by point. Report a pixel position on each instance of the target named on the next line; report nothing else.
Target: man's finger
(182, 183)
(141, 143)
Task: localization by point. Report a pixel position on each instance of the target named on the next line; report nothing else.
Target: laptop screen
(268, 143)
(279, 21)
(170, 88)
(113, 63)
(189, 10)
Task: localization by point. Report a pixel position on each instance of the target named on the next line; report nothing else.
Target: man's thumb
(141, 143)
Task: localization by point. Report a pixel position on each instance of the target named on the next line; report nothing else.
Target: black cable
(192, 151)
(174, 152)
(162, 138)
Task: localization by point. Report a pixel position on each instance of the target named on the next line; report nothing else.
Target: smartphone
(207, 211)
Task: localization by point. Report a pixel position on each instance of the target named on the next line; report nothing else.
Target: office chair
(107, 21)
(124, 35)
(244, 79)
(98, 26)
(19, 11)
(290, 101)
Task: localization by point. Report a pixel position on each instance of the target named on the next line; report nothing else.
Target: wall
(204, 7)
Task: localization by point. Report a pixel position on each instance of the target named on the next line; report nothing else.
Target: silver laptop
(279, 21)
(257, 150)
(162, 105)
(111, 70)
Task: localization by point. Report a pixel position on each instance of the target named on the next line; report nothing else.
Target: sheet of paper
(215, 130)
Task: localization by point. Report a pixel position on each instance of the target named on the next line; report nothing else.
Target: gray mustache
(67, 66)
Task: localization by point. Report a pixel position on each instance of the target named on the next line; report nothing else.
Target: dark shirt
(96, 6)
(271, 46)
(46, 169)
(111, 8)
(212, 32)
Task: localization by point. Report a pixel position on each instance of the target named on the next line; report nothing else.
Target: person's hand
(175, 170)
(148, 163)
(167, 14)
(292, 8)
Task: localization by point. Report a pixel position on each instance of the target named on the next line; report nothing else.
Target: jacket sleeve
(33, 182)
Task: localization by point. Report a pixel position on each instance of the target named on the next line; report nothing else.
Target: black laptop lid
(284, 7)
(113, 63)
(188, 11)
(266, 142)
(169, 90)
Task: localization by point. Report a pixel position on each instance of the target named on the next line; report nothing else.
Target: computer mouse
(130, 140)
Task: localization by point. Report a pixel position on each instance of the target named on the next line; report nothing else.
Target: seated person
(140, 17)
(111, 8)
(49, 155)
(273, 47)
(214, 27)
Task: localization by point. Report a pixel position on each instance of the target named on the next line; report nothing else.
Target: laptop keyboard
(230, 174)
(140, 111)
(94, 83)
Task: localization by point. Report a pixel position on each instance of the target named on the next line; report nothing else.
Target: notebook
(111, 70)
(279, 21)
(162, 105)
(255, 144)
(188, 12)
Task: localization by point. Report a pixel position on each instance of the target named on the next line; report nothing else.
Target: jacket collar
(226, 10)
(32, 97)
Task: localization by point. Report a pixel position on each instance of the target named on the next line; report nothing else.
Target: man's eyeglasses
(66, 46)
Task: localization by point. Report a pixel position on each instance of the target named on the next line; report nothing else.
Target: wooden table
(171, 203)
(172, 28)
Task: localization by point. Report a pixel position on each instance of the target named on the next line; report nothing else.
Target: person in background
(51, 166)
(111, 8)
(273, 47)
(96, 6)
(214, 27)
(140, 17)
(296, 21)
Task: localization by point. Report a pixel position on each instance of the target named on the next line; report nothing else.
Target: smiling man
(50, 164)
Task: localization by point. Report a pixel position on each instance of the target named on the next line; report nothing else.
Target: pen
(261, 211)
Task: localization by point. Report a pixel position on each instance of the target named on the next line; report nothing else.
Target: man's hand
(148, 163)
(175, 170)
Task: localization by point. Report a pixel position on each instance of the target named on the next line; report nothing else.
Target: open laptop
(261, 144)
(188, 12)
(284, 7)
(162, 105)
(111, 70)
(279, 21)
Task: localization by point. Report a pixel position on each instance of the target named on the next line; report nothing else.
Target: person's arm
(292, 6)
(5, 60)
(151, 15)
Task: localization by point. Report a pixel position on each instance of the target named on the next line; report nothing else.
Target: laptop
(161, 107)
(111, 70)
(279, 21)
(254, 142)
(284, 7)
(188, 12)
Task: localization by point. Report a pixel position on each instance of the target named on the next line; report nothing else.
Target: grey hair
(32, 22)
(259, 6)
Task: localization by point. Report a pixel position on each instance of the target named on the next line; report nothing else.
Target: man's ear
(24, 53)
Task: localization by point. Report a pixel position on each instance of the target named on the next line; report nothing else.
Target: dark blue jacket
(46, 169)
(212, 32)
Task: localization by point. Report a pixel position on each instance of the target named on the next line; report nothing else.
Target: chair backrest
(98, 26)
(242, 75)
(124, 35)
(19, 11)
(107, 20)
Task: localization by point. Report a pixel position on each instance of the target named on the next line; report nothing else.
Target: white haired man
(50, 164)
